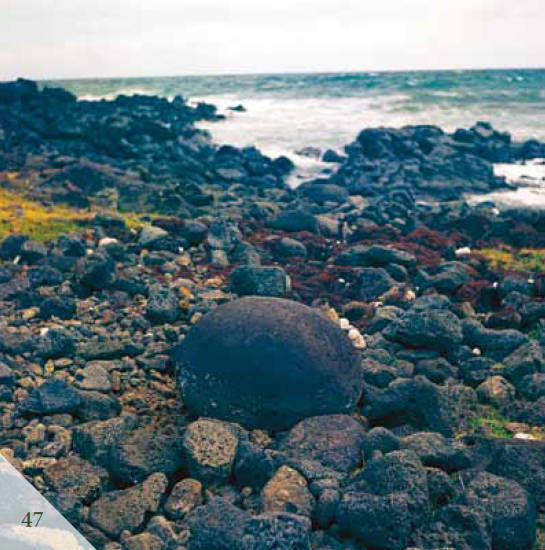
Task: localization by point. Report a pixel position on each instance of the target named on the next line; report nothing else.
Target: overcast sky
(103, 38)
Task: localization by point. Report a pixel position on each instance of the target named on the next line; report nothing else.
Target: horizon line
(281, 73)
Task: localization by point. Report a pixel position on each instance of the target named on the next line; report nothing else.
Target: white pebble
(344, 323)
(523, 436)
(463, 251)
(476, 351)
(105, 241)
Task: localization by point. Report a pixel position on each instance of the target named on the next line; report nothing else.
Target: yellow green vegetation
(44, 223)
(491, 422)
(525, 259)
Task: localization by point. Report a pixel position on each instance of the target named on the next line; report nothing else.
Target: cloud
(76, 38)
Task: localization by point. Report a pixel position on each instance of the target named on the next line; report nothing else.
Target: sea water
(286, 113)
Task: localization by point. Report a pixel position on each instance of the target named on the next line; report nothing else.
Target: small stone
(210, 447)
(127, 509)
(143, 541)
(162, 306)
(186, 495)
(496, 391)
(287, 491)
(94, 377)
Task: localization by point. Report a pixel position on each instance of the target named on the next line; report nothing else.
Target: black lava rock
(267, 363)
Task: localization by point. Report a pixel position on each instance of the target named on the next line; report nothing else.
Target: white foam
(530, 176)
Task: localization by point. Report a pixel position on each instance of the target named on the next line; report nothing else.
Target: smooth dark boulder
(267, 363)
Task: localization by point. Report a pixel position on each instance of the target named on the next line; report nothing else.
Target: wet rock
(259, 281)
(431, 329)
(333, 440)
(496, 391)
(512, 513)
(210, 448)
(52, 397)
(126, 509)
(287, 491)
(184, 497)
(298, 364)
(162, 305)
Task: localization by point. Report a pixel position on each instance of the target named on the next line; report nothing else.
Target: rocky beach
(194, 355)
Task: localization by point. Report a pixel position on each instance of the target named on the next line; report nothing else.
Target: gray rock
(287, 491)
(162, 305)
(496, 391)
(137, 454)
(210, 449)
(374, 256)
(386, 502)
(333, 440)
(184, 497)
(277, 531)
(217, 525)
(436, 451)
(430, 329)
(94, 377)
(258, 281)
(374, 281)
(511, 511)
(52, 397)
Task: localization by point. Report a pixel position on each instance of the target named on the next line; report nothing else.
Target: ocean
(288, 112)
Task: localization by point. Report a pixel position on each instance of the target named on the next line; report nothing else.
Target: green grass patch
(492, 423)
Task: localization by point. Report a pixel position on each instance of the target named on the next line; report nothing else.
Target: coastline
(435, 305)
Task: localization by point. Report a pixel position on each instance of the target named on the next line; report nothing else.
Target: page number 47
(27, 520)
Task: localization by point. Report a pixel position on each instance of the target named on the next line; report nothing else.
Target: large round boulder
(267, 363)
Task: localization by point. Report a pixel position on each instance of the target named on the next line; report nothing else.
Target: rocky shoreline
(429, 433)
